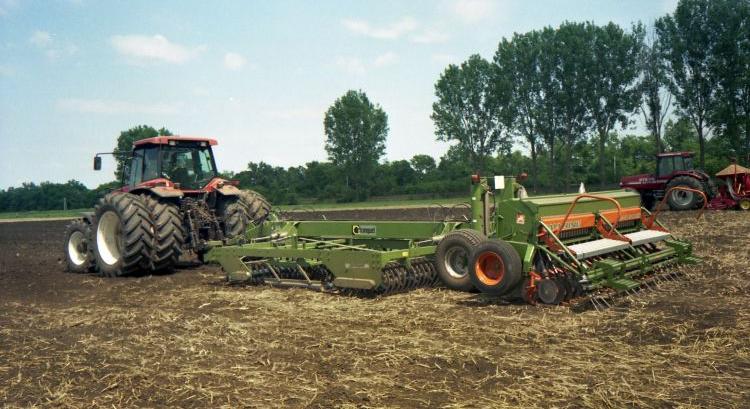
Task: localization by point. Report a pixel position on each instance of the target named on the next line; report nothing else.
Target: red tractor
(672, 169)
(172, 201)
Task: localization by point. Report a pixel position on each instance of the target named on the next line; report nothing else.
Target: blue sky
(256, 75)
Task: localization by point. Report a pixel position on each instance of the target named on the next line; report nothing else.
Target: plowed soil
(189, 340)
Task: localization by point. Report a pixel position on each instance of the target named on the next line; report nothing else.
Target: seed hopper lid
(733, 169)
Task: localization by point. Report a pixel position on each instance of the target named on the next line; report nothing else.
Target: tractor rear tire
(452, 258)
(683, 200)
(249, 207)
(78, 249)
(169, 233)
(123, 235)
(495, 267)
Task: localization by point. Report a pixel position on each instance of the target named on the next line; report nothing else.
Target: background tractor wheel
(452, 258)
(78, 252)
(242, 210)
(744, 204)
(683, 200)
(495, 267)
(169, 233)
(123, 235)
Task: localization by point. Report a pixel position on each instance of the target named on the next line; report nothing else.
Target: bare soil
(190, 340)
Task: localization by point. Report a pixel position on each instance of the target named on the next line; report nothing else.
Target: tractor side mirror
(97, 163)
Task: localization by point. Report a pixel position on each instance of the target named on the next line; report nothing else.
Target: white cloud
(471, 11)
(443, 59)
(389, 32)
(351, 65)
(40, 38)
(429, 37)
(385, 59)
(140, 48)
(113, 107)
(234, 61)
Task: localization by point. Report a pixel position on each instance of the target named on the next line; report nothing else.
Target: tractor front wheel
(744, 204)
(78, 255)
(123, 235)
(249, 207)
(452, 258)
(495, 267)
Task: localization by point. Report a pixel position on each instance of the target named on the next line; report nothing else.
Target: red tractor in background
(172, 201)
(672, 169)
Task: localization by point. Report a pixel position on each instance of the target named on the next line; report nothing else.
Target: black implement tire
(79, 256)
(123, 235)
(169, 233)
(452, 258)
(238, 212)
(683, 200)
(648, 201)
(495, 267)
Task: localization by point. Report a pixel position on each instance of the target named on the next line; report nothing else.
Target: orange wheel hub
(490, 268)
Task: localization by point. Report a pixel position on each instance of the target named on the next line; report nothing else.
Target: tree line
(565, 95)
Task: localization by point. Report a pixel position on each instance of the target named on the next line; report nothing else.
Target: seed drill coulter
(573, 249)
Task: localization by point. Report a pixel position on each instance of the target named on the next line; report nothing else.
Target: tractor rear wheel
(681, 199)
(452, 258)
(123, 235)
(78, 254)
(169, 233)
(249, 207)
(495, 267)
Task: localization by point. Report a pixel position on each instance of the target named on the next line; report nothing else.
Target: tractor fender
(228, 190)
(159, 191)
(88, 217)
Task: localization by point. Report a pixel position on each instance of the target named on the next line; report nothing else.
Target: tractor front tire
(681, 199)
(79, 257)
(123, 235)
(452, 258)
(744, 204)
(495, 267)
(169, 233)
(249, 207)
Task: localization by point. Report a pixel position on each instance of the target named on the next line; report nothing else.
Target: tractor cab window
(666, 166)
(136, 169)
(150, 163)
(189, 165)
(688, 163)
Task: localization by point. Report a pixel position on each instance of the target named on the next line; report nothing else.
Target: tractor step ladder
(647, 236)
(597, 247)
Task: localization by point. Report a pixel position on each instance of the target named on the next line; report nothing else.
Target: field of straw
(190, 340)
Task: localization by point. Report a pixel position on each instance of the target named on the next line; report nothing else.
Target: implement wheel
(123, 235)
(452, 258)
(495, 267)
(551, 291)
(239, 212)
(744, 204)
(78, 255)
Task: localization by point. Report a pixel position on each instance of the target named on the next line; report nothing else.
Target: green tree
(611, 74)
(356, 130)
(688, 44)
(472, 109)
(423, 165)
(125, 144)
(656, 98)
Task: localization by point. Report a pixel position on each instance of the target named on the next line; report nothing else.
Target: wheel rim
(457, 262)
(489, 268)
(682, 197)
(745, 204)
(77, 248)
(108, 237)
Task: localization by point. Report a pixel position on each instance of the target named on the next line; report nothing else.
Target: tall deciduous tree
(611, 75)
(688, 46)
(472, 110)
(356, 130)
(125, 144)
(656, 98)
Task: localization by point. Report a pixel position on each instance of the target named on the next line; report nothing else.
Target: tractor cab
(669, 163)
(188, 163)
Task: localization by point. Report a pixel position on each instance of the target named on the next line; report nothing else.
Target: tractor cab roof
(165, 140)
(670, 154)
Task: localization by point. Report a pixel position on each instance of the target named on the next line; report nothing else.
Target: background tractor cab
(672, 169)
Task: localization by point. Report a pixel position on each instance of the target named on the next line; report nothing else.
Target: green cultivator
(563, 249)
